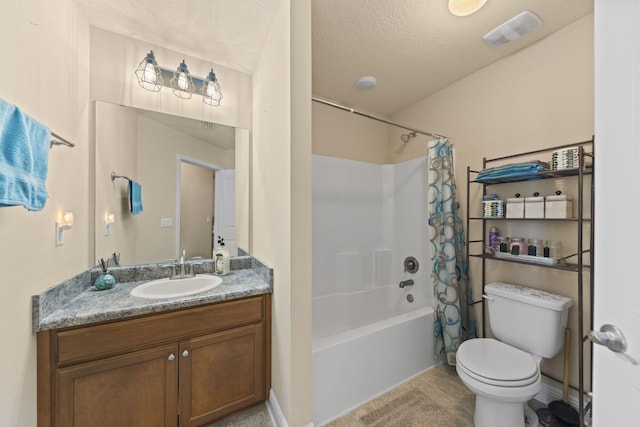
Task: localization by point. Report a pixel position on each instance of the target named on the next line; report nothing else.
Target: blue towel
(512, 171)
(135, 197)
(24, 159)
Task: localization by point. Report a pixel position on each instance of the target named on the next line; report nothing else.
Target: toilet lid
(493, 362)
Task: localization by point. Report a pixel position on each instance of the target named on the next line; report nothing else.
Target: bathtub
(355, 360)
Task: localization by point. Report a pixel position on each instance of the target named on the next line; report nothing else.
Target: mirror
(194, 180)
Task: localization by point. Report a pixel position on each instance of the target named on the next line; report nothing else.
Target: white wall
(45, 49)
(281, 211)
(348, 224)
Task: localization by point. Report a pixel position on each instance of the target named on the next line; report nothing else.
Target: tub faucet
(406, 283)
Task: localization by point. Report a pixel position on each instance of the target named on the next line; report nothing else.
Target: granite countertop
(76, 302)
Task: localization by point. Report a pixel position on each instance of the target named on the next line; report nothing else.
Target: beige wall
(337, 133)
(196, 210)
(116, 134)
(536, 98)
(114, 59)
(45, 49)
(281, 201)
(158, 149)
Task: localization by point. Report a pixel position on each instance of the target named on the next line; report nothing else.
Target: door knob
(171, 357)
(185, 353)
(612, 338)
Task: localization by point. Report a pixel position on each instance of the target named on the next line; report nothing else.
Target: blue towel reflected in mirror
(135, 197)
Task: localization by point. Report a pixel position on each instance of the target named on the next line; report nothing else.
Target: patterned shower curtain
(452, 324)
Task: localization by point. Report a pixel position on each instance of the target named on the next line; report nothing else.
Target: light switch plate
(166, 222)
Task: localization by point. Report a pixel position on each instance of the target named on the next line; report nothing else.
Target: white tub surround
(355, 366)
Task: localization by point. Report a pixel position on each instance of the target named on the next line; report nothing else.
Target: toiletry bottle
(493, 240)
(221, 259)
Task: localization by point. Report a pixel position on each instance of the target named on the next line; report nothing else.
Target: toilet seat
(492, 362)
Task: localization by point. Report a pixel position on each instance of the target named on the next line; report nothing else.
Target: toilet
(504, 372)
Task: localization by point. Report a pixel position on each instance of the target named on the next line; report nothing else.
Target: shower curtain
(452, 324)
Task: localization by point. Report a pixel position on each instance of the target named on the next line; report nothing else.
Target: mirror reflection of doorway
(206, 208)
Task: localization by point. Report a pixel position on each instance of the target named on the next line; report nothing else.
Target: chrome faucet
(182, 265)
(181, 268)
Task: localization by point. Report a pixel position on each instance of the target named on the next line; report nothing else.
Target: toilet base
(494, 413)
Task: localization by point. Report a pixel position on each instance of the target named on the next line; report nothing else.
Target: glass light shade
(148, 73)
(67, 219)
(182, 83)
(211, 94)
(465, 7)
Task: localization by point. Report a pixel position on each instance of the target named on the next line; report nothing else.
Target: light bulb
(149, 73)
(211, 89)
(67, 219)
(182, 81)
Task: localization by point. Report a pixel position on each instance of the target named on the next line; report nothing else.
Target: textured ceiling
(227, 32)
(413, 47)
(212, 133)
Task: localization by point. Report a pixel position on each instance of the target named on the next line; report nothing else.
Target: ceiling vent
(513, 29)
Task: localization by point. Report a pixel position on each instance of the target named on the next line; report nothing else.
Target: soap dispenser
(221, 262)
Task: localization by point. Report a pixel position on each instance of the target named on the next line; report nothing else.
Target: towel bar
(60, 141)
(114, 176)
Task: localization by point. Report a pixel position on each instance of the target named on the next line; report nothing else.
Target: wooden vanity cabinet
(182, 368)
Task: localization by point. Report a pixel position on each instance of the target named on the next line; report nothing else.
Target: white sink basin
(168, 288)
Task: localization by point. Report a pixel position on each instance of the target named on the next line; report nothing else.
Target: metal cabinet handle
(171, 357)
(185, 353)
(612, 338)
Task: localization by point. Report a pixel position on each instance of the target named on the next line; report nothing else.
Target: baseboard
(552, 390)
(277, 417)
(275, 413)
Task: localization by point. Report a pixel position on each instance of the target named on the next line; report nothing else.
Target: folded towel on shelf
(512, 171)
(24, 159)
(135, 197)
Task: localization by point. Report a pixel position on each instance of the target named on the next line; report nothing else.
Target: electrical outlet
(166, 222)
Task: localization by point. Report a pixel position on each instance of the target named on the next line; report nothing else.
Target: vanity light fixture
(64, 222)
(152, 77)
(210, 91)
(149, 74)
(109, 220)
(182, 83)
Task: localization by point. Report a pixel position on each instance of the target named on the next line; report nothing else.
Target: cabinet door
(135, 389)
(221, 373)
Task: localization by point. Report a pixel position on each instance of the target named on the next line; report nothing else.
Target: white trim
(193, 161)
(277, 417)
(552, 390)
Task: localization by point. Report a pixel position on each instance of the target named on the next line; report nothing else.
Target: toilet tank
(530, 319)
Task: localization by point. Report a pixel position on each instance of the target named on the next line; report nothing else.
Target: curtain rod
(351, 110)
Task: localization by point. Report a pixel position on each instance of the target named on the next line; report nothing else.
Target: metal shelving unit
(578, 267)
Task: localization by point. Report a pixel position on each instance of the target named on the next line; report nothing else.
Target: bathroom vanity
(186, 363)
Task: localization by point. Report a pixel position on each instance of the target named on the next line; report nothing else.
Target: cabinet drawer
(90, 342)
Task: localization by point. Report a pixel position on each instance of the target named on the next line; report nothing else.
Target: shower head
(406, 136)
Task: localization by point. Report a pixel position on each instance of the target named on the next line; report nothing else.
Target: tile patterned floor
(441, 384)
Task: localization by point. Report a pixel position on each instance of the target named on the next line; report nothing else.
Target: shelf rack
(578, 267)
